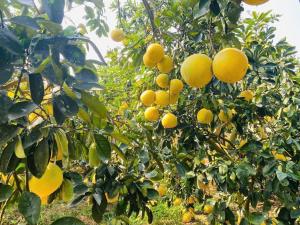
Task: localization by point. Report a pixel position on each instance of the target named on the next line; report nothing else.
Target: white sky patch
(288, 26)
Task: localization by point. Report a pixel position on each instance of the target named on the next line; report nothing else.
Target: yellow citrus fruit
(169, 121)
(162, 80)
(173, 98)
(82, 29)
(208, 209)
(48, 183)
(230, 65)
(155, 52)
(165, 65)
(205, 116)
(255, 2)
(44, 200)
(67, 191)
(162, 190)
(243, 142)
(117, 35)
(280, 156)
(151, 114)
(196, 70)
(161, 98)
(112, 200)
(247, 95)
(225, 117)
(148, 61)
(148, 97)
(177, 202)
(191, 200)
(187, 217)
(176, 86)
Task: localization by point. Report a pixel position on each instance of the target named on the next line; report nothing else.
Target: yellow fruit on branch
(112, 199)
(162, 80)
(117, 35)
(173, 98)
(148, 97)
(247, 95)
(48, 183)
(205, 116)
(148, 61)
(191, 200)
(208, 209)
(151, 114)
(279, 156)
(176, 86)
(196, 70)
(155, 52)
(225, 116)
(162, 190)
(255, 2)
(161, 98)
(177, 202)
(169, 121)
(230, 65)
(165, 65)
(187, 217)
(44, 200)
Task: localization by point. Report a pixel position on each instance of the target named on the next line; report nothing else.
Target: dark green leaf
(202, 9)
(21, 109)
(5, 104)
(66, 105)
(38, 158)
(10, 42)
(54, 9)
(233, 11)
(103, 147)
(94, 104)
(269, 168)
(30, 207)
(26, 2)
(74, 55)
(36, 87)
(25, 21)
(98, 210)
(215, 8)
(295, 213)
(8, 160)
(86, 75)
(5, 192)
(5, 74)
(68, 221)
(256, 218)
(229, 216)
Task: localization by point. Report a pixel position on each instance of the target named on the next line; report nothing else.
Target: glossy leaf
(86, 75)
(30, 207)
(68, 221)
(5, 192)
(54, 9)
(36, 85)
(21, 109)
(5, 74)
(103, 147)
(10, 42)
(25, 21)
(74, 55)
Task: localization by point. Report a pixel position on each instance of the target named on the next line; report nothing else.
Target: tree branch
(151, 17)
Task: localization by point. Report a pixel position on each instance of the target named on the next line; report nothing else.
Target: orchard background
(213, 140)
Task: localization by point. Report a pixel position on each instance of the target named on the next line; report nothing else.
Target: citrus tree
(58, 139)
(214, 104)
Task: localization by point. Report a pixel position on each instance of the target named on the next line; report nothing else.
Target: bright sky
(288, 26)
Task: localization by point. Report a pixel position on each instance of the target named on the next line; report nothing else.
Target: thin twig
(18, 85)
(151, 17)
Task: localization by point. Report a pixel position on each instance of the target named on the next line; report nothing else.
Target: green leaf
(21, 109)
(269, 168)
(98, 210)
(5, 74)
(233, 11)
(68, 221)
(5, 104)
(8, 159)
(256, 218)
(25, 21)
(295, 213)
(202, 9)
(10, 42)
(30, 207)
(86, 75)
(54, 9)
(26, 2)
(7, 132)
(66, 105)
(215, 8)
(93, 103)
(38, 158)
(5, 192)
(281, 175)
(36, 85)
(52, 27)
(103, 147)
(74, 55)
